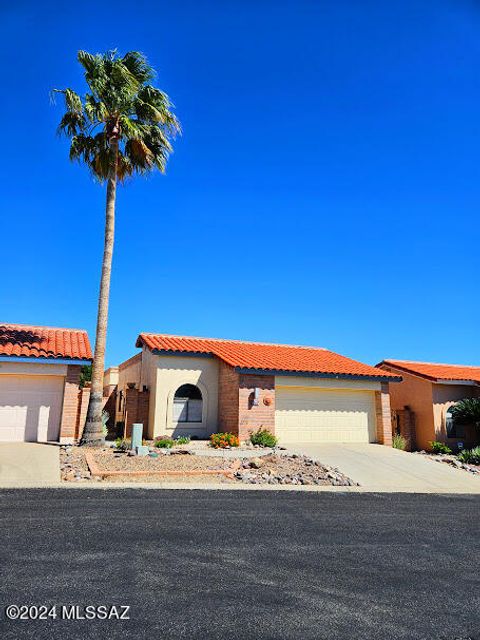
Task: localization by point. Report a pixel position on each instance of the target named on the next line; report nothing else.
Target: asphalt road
(259, 565)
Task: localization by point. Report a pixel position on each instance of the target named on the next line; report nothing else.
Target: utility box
(142, 451)
(137, 435)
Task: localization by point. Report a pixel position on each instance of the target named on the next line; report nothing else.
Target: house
(40, 399)
(197, 386)
(420, 403)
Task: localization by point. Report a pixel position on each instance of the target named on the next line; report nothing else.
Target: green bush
(182, 440)
(122, 444)
(439, 447)
(399, 442)
(105, 418)
(470, 456)
(85, 375)
(264, 438)
(163, 442)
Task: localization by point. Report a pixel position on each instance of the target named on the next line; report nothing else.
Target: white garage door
(314, 415)
(30, 408)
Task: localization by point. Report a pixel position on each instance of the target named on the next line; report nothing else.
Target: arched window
(187, 404)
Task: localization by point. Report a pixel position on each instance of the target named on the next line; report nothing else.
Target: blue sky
(325, 191)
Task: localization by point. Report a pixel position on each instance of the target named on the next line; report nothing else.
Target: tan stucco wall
(129, 371)
(444, 396)
(148, 378)
(417, 394)
(110, 377)
(166, 374)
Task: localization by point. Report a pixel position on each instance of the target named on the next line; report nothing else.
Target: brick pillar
(136, 410)
(228, 381)
(256, 416)
(70, 409)
(406, 420)
(110, 404)
(83, 398)
(383, 415)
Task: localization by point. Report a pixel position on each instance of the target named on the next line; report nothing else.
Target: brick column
(228, 381)
(70, 409)
(261, 416)
(383, 415)
(83, 398)
(136, 410)
(407, 427)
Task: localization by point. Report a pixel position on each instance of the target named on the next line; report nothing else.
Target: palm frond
(125, 169)
(71, 124)
(73, 101)
(132, 128)
(95, 109)
(138, 66)
(160, 102)
(82, 147)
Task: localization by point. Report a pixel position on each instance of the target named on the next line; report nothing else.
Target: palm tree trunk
(93, 431)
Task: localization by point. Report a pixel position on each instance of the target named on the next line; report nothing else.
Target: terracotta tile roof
(44, 342)
(263, 356)
(434, 371)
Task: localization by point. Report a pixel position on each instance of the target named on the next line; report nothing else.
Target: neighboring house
(40, 369)
(197, 386)
(420, 403)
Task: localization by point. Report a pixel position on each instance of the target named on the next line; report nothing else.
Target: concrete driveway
(29, 464)
(379, 468)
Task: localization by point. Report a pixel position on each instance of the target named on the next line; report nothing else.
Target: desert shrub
(122, 444)
(105, 419)
(224, 440)
(85, 375)
(264, 438)
(182, 440)
(163, 442)
(399, 442)
(470, 456)
(439, 447)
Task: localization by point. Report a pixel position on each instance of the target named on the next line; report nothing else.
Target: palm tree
(466, 412)
(121, 127)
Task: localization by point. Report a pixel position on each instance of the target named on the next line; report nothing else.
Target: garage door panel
(30, 408)
(313, 415)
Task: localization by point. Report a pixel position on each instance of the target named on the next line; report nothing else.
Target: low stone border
(453, 461)
(96, 472)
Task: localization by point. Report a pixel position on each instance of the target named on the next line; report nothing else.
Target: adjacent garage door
(314, 415)
(30, 408)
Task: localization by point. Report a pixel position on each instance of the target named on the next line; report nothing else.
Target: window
(187, 404)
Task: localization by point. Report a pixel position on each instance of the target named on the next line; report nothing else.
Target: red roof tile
(44, 342)
(434, 371)
(262, 356)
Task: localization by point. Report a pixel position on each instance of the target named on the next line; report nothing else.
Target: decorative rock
(256, 463)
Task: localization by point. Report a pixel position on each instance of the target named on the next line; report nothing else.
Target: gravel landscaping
(290, 469)
(452, 460)
(279, 468)
(174, 461)
(73, 466)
